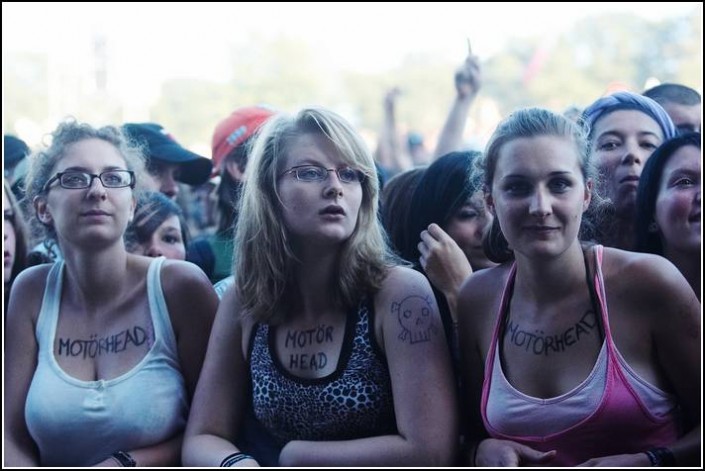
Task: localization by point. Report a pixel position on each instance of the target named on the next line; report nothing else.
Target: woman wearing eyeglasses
(103, 349)
(341, 351)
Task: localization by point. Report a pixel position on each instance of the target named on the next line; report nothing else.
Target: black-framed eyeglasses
(78, 180)
(316, 173)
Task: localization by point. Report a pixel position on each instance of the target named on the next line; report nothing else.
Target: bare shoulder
(28, 291)
(647, 277)
(402, 280)
(478, 302)
(177, 274)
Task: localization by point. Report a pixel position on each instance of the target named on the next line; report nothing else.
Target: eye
(310, 173)
(560, 185)
(171, 239)
(684, 182)
(608, 146)
(75, 179)
(649, 145)
(348, 175)
(113, 178)
(517, 188)
(465, 214)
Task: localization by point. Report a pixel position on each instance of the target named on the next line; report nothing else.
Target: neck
(316, 279)
(545, 280)
(94, 277)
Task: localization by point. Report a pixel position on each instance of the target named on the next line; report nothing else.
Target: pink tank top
(613, 411)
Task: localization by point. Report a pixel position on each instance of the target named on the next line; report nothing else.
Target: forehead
(311, 148)
(687, 157)
(627, 122)
(91, 154)
(683, 114)
(533, 156)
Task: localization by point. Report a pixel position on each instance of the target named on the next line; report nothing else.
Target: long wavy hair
(264, 262)
(647, 240)
(525, 123)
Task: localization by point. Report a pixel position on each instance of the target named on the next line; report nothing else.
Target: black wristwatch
(125, 460)
(662, 457)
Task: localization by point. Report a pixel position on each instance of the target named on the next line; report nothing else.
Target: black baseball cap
(159, 145)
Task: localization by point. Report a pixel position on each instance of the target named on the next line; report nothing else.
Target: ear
(587, 196)
(234, 170)
(41, 209)
(133, 206)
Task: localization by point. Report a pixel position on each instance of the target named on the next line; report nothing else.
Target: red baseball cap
(236, 129)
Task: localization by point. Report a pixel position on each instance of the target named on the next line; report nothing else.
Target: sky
(171, 40)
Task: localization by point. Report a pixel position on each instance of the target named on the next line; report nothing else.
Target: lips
(332, 209)
(95, 212)
(629, 179)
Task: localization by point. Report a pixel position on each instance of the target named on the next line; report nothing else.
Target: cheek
(9, 237)
(672, 209)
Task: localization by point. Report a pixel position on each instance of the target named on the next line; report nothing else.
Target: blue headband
(629, 101)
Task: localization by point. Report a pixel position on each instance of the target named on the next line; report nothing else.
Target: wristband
(661, 457)
(125, 459)
(233, 458)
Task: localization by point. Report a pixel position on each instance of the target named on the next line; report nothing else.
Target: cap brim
(195, 170)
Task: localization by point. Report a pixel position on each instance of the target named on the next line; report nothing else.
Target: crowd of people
(536, 303)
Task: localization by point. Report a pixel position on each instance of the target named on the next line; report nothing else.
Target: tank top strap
(49, 311)
(599, 289)
(158, 308)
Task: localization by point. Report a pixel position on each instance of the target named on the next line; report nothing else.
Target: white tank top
(80, 423)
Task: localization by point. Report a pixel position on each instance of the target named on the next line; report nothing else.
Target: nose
(634, 154)
(97, 190)
(168, 185)
(153, 251)
(333, 186)
(540, 204)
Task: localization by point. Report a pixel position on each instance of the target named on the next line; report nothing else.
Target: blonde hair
(263, 257)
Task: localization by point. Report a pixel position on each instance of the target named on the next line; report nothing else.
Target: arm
(467, 84)
(444, 263)
(389, 151)
(219, 403)
(422, 384)
(21, 351)
(672, 311)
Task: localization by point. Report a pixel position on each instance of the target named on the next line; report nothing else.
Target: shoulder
(484, 285)
(177, 275)
(646, 283)
(641, 274)
(403, 279)
(27, 294)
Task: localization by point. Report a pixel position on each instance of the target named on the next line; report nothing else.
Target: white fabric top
(80, 423)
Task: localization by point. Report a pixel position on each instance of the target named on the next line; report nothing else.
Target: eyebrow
(551, 174)
(621, 134)
(87, 170)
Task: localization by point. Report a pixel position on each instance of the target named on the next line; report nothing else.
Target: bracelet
(124, 459)
(233, 458)
(661, 457)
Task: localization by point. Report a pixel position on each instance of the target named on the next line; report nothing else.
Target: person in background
(624, 129)
(158, 228)
(168, 162)
(572, 354)
(669, 206)
(342, 351)
(683, 105)
(231, 146)
(445, 224)
(15, 240)
(394, 205)
(14, 163)
(101, 368)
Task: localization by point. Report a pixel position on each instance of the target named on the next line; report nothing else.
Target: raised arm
(219, 403)
(467, 84)
(390, 153)
(422, 384)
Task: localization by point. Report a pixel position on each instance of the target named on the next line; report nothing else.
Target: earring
(653, 227)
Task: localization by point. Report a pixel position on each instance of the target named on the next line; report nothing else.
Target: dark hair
(647, 192)
(444, 187)
(21, 234)
(230, 189)
(395, 202)
(526, 123)
(673, 93)
(153, 208)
